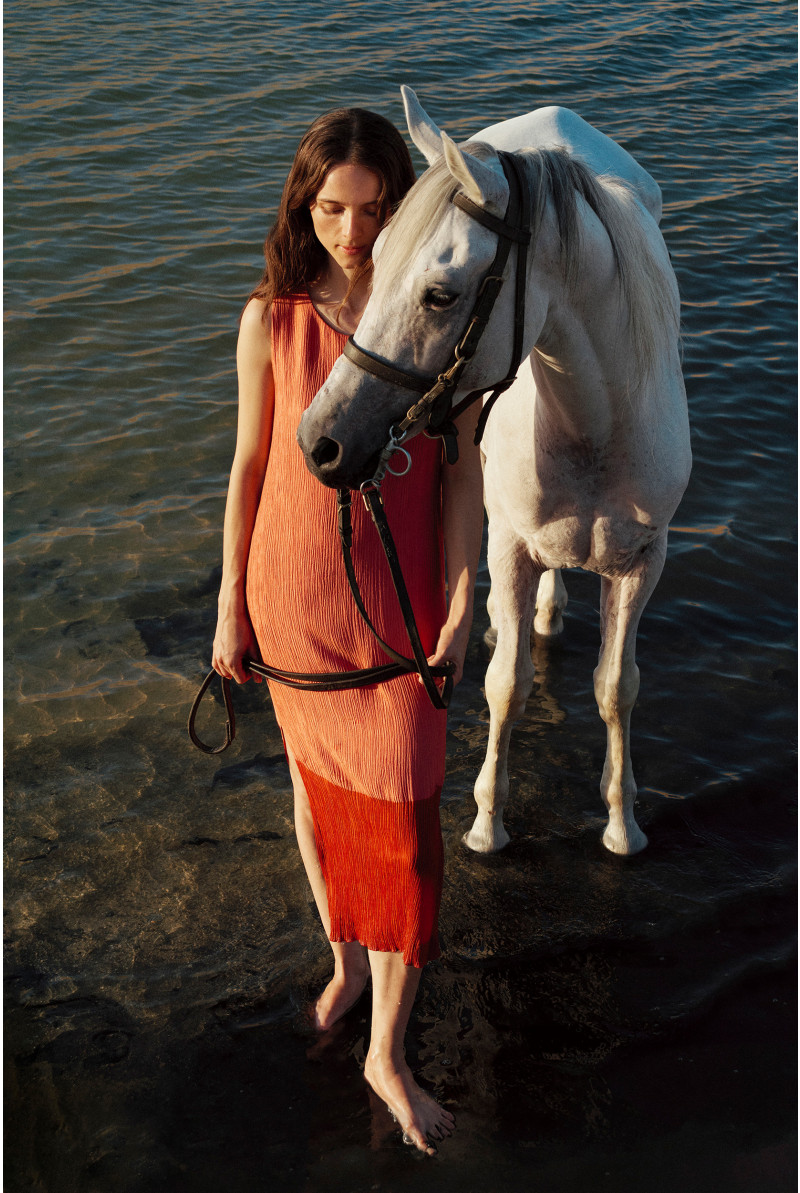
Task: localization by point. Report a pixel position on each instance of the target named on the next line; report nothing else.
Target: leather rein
(436, 406)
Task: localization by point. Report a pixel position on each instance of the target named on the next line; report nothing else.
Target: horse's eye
(438, 300)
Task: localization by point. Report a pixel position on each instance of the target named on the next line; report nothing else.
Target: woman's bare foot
(345, 987)
(421, 1118)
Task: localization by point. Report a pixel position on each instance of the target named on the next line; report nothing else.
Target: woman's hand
(234, 642)
(451, 648)
(462, 514)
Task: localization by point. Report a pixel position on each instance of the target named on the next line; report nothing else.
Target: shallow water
(590, 1016)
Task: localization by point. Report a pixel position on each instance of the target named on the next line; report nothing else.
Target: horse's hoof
(490, 638)
(548, 626)
(626, 843)
(486, 837)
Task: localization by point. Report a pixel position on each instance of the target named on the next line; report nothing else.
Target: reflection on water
(161, 940)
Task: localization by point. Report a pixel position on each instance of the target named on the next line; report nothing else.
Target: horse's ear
(424, 133)
(481, 184)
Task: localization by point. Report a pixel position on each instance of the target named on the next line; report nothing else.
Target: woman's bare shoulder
(255, 315)
(254, 329)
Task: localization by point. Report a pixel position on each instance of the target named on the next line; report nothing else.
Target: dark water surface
(594, 1022)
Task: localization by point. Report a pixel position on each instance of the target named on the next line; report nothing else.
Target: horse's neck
(573, 398)
(582, 363)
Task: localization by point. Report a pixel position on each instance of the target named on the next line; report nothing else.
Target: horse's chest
(608, 543)
(584, 512)
(593, 500)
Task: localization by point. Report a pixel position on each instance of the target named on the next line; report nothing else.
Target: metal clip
(392, 471)
(396, 437)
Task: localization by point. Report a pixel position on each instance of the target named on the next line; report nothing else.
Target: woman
(367, 765)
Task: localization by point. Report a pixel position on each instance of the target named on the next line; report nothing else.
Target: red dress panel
(372, 759)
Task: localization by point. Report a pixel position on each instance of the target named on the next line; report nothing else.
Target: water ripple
(145, 151)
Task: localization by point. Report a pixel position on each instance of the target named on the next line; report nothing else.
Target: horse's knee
(490, 604)
(508, 685)
(490, 636)
(615, 691)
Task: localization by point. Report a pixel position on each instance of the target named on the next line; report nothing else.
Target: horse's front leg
(616, 686)
(509, 680)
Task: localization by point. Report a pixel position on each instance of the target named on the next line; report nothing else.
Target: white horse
(587, 455)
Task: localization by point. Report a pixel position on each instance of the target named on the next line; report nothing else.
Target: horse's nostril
(325, 451)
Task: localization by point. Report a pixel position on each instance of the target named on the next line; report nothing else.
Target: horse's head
(429, 264)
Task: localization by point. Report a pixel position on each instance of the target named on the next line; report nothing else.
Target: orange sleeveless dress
(371, 759)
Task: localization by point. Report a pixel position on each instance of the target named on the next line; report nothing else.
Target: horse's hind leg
(551, 601)
(616, 686)
(509, 679)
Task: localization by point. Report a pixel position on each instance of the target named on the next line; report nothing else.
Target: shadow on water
(593, 1020)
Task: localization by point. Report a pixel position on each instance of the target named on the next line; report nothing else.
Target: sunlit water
(157, 915)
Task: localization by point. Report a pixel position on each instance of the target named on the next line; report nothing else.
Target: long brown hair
(293, 255)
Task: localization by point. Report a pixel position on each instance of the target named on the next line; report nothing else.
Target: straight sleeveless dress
(371, 759)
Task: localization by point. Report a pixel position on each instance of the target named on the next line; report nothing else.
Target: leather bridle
(436, 406)
(436, 402)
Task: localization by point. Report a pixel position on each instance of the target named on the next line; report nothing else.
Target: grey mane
(555, 176)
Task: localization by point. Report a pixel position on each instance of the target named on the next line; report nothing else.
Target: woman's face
(345, 214)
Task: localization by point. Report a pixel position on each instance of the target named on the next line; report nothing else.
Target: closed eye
(438, 300)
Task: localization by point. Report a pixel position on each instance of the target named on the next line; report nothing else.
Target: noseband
(436, 403)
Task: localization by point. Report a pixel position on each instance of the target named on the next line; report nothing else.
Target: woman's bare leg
(394, 987)
(350, 958)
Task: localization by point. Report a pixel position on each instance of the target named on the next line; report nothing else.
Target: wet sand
(242, 1099)
(585, 1034)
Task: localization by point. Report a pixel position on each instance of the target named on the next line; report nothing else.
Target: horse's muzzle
(326, 452)
(326, 460)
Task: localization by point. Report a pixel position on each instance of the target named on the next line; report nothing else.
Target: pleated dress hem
(383, 864)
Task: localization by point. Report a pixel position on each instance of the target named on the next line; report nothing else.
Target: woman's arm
(462, 518)
(234, 638)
